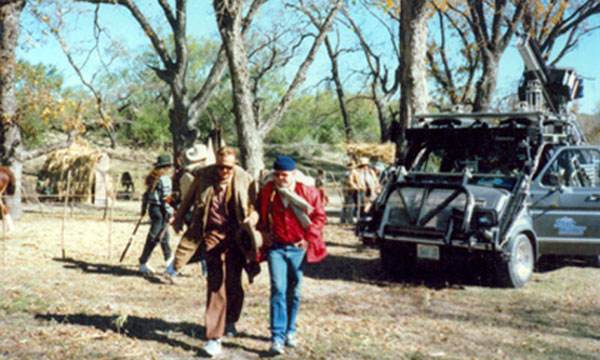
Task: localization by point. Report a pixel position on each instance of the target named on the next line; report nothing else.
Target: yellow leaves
(46, 115)
(548, 14)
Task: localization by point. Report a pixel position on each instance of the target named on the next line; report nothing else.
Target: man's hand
(302, 244)
(176, 224)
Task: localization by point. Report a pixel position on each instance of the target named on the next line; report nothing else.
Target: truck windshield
(495, 158)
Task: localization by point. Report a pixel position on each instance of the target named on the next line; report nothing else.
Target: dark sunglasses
(224, 167)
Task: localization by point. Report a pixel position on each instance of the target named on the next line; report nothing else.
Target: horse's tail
(12, 185)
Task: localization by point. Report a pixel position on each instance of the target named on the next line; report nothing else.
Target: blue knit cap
(284, 163)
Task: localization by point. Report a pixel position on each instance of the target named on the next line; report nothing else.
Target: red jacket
(313, 234)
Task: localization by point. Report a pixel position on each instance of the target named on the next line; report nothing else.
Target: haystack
(385, 152)
(90, 180)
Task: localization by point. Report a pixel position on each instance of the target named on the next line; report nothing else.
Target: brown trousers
(224, 291)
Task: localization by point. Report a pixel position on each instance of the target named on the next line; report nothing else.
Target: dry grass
(89, 306)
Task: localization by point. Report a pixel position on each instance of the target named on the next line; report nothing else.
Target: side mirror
(554, 179)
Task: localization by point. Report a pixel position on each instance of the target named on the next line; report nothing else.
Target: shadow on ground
(435, 275)
(151, 329)
(108, 269)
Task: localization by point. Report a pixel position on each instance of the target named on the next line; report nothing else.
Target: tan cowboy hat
(364, 161)
(196, 153)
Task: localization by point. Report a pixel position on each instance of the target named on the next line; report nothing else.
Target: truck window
(574, 168)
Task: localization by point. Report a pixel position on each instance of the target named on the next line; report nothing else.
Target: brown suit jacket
(242, 190)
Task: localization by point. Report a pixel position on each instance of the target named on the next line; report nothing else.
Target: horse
(7, 187)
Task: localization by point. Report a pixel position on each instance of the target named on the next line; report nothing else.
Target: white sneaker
(146, 269)
(291, 340)
(277, 347)
(213, 347)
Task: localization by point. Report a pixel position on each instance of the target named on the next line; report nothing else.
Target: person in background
(156, 202)
(320, 183)
(348, 207)
(292, 218)
(369, 183)
(357, 190)
(223, 197)
(194, 158)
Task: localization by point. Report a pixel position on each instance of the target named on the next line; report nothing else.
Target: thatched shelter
(385, 152)
(89, 173)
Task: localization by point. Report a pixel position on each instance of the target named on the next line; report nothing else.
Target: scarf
(300, 207)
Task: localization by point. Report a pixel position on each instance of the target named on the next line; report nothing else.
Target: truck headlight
(484, 218)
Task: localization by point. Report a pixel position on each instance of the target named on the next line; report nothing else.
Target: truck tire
(518, 270)
(396, 259)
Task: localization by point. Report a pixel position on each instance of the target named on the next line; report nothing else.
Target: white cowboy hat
(195, 154)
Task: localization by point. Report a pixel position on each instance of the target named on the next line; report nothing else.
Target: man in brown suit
(223, 197)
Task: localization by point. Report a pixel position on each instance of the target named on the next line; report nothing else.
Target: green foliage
(150, 127)
(316, 119)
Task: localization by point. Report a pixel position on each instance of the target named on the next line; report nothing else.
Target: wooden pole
(62, 239)
(110, 217)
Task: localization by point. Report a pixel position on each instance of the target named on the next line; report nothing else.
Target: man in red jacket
(292, 218)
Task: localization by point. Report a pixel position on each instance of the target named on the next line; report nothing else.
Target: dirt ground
(87, 305)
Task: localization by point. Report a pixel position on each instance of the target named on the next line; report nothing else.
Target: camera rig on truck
(462, 184)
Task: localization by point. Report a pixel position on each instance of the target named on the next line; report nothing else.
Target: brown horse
(8, 187)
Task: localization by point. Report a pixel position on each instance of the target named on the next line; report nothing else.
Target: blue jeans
(286, 263)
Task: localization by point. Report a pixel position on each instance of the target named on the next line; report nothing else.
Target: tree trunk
(486, 85)
(183, 133)
(251, 131)
(10, 134)
(229, 21)
(414, 97)
(339, 89)
(382, 113)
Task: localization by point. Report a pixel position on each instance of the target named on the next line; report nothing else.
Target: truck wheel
(396, 259)
(518, 270)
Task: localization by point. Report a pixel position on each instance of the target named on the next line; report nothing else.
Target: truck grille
(407, 207)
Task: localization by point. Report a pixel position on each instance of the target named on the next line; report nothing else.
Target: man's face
(225, 166)
(284, 179)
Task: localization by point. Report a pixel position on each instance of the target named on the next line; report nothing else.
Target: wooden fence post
(62, 239)
(110, 217)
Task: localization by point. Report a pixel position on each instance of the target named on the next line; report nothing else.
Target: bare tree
(333, 54)
(13, 153)
(382, 82)
(173, 70)
(251, 128)
(493, 25)
(547, 21)
(52, 15)
(453, 71)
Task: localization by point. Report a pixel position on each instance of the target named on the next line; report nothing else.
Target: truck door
(565, 203)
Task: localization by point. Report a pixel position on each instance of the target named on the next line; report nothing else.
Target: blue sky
(201, 22)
